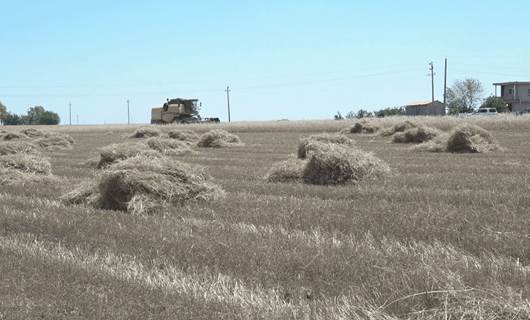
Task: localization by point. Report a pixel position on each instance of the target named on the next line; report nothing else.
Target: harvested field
(306, 143)
(445, 236)
(362, 127)
(416, 135)
(168, 146)
(53, 141)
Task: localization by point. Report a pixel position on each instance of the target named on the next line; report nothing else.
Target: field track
(444, 236)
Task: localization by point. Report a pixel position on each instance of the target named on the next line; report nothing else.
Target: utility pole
(432, 79)
(70, 112)
(445, 84)
(128, 112)
(228, 100)
(77, 116)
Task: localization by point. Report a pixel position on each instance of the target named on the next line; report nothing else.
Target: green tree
(11, 119)
(464, 96)
(497, 103)
(388, 112)
(3, 109)
(48, 118)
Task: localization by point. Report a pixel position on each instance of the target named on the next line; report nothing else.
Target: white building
(517, 94)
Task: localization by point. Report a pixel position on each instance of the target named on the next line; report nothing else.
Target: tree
(11, 119)
(497, 103)
(464, 96)
(48, 118)
(338, 116)
(3, 110)
(388, 112)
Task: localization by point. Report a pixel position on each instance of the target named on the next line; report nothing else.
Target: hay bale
(26, 163)
(218, 138)
(168, 146)
(398, 127)
(183, 135)
(289, 170)
(13, 147)
(121, 151)
(469, 138)
(332, 164)
(416, 135)
(52, 141)
(32, 133)
(12, 136)
(146, 132)
(109, 133)
(307, 143)
(362, 127)
(141, 185)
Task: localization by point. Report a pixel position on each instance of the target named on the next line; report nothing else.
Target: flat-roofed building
(516, 94)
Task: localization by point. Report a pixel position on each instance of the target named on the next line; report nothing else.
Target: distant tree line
(35, 116)
(464, 96)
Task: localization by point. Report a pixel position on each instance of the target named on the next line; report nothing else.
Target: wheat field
(445, 236)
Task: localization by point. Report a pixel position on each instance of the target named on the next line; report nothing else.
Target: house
(515, 93)
(435, 108)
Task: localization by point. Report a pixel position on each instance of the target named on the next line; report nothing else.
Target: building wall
(521, 107)
(431, 109)
(522, 92)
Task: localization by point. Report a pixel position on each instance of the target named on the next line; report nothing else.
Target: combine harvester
(179, 111)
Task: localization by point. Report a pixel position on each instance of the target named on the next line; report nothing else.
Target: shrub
(218, 138)
(143, 184)
(146, 132)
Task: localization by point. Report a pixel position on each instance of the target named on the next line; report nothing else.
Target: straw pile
(121, 151)
(146, 132)
(398, 127)
(187, 136)
(143, 185)
(307, 143)
(328, 162)
(362, 127)
(218, 138)
(168, 146)
(32, 133)
(52, 141)
(416, 135)
(465, 138)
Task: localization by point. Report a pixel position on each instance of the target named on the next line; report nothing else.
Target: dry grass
(32, 132)
(121, 151)
(332, 164)
(306, 143)
(13, 147)
(289, 170)
(218, 138)
(443, 237)
(465, 138)
(168, 146)
(21, 169)
(188, 136)
(416, 135)
(53, 141)
(141, 185)
(362, 127)
(146, 132)
(11, 136)
(398, 127)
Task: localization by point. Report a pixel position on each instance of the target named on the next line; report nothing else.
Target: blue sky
(282, 59)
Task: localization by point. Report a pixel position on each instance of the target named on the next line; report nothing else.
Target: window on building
(529, 92)
(510, 91)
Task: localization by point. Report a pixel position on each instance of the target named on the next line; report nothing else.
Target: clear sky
(282, 59)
